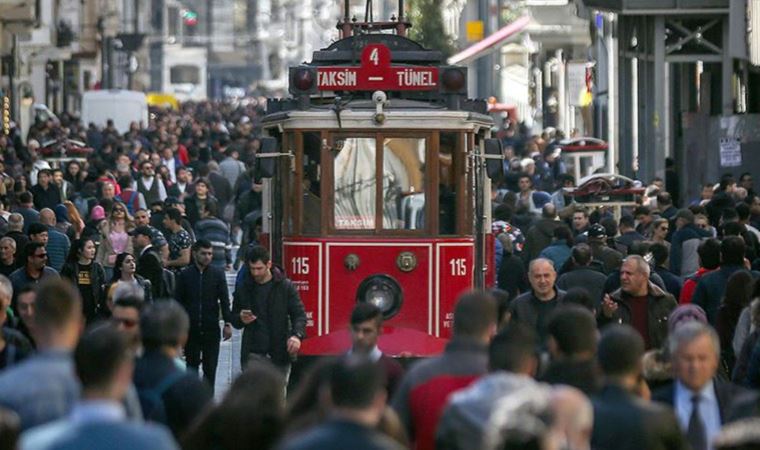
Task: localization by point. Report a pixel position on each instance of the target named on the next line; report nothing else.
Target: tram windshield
(354, 169)
(401, 181)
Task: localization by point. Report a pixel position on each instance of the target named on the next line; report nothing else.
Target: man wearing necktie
(702, 403)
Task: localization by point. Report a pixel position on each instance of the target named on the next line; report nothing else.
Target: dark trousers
(203, 348)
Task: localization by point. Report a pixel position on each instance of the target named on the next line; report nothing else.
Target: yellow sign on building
(474, 30)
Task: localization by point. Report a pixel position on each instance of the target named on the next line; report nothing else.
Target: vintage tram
(378, 187)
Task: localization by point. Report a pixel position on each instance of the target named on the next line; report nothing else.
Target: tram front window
(354, 181)
(403, 183)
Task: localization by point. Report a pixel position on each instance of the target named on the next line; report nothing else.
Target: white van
(123, 107)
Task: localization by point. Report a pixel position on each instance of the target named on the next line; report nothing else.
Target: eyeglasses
(128, 323)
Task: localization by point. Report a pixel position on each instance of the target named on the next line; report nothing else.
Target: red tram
(378, 187)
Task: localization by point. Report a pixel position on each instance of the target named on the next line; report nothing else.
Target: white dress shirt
(709, 410)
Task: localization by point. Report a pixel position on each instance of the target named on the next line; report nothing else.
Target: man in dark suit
(621, 420)
(149, 264)
(358, 397)
(702, 403)
(366, 327)
(103, 363)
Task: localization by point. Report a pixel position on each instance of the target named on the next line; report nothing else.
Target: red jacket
(687, 291)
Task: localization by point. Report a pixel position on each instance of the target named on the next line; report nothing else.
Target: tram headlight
(303, 80)
(454, 80)
(383, 292)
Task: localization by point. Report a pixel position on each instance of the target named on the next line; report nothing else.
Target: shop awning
(479, 49)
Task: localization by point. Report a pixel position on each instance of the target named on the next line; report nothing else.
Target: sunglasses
(128, 323)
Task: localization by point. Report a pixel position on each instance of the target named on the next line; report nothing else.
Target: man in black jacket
(202, 290)
(267, 306)
(149, 264)
(621, 420)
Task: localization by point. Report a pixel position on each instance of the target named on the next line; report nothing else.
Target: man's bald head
(47, 217)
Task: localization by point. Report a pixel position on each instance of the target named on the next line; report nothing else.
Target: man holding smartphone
(267, 306)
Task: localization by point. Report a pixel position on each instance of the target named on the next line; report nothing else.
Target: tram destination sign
(377, 73)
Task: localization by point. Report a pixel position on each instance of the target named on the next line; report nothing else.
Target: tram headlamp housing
(303, 80)
(454, 80)
(383, 292)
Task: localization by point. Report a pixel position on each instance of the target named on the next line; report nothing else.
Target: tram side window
(447, 183)
(403, 183)
(354, 181)
(312, 174)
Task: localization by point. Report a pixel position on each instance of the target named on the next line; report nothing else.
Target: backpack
(130, 204)
(152, 401)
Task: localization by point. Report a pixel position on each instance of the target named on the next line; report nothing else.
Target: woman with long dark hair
(87, 275)
(737, 297)
(251, 415)
(124, 275)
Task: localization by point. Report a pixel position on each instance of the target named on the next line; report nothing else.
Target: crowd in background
(636, 330)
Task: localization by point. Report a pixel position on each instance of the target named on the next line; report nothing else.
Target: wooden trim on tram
(298, 188)
(433, 198)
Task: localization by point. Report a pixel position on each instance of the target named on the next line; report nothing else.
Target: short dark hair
(641, 210)
(620, 350)
(659, 253)
(709, 253)
(581, 297)
(163, 323)
(610, 225)
(37, 228)
(474, 313)
(627, 221)
(99, 354)
(258, 253)
(354, 382)
(733, 229)
(125, 182)
(201, 243)
(503, 300)
(562, 232)
(729, 214)
(512, 347)
(30, 248)
(573, 328)
(366, 311)
(173, 214)
(25, 197)
(640, 248)
(503, 212)
(732, 250)
(582, 254)
(664, 198)
(742, 209)
(57, 305)
(130, 301)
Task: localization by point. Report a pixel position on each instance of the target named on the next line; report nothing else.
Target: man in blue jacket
(202, 290)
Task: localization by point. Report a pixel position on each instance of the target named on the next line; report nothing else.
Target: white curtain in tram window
(403, 183)
(354, 177)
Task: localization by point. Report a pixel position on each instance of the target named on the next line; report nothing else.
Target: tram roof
(360, 114)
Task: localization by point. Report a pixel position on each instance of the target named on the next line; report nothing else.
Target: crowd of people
(636, 331)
